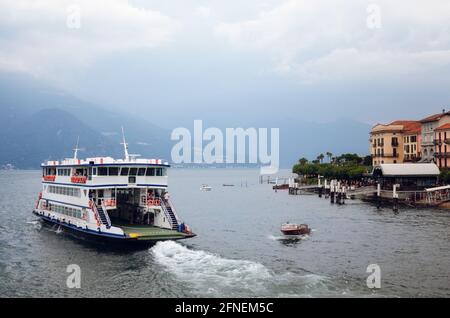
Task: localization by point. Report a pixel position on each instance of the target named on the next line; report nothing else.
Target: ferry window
(150, 172)
(113, 171)
(133, 171)
(158, 172)
(164, 172)
(102, 171)
(141, 172)
(124, 171)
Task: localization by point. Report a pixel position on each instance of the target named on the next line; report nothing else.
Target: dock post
(378, 195)
(395, 197)
(332, 188)
(344, 194)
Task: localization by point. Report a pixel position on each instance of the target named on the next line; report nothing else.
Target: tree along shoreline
(344, 167)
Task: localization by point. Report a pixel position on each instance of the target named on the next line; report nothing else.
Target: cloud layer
(330, 40)
(37, 36)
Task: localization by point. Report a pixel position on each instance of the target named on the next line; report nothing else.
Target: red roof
(443, 127)
(435, 117)
(409, 126)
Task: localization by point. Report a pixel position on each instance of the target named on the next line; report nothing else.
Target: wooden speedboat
(295, 229)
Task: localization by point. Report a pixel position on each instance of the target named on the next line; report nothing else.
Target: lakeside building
(397, 142)
(408, 176)
(442, 146)
(429, 140)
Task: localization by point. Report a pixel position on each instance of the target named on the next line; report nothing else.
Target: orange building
(396, 142)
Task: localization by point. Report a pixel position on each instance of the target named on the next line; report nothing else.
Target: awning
(406, 170)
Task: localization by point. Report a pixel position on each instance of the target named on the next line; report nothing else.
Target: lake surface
(239, 251)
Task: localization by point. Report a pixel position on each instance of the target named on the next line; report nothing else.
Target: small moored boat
(295, 229)
(205, 187)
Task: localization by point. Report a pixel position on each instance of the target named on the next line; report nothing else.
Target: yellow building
(396, 142)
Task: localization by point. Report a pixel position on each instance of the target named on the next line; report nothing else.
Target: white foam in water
(288, 237)
(59, 230)
(209, 274)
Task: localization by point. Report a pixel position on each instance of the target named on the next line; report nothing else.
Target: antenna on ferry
(75, 154)
(125, 146)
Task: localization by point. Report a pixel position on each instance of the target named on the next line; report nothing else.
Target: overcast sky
(238, 60)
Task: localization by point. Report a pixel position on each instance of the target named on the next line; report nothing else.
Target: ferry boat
(120, 200)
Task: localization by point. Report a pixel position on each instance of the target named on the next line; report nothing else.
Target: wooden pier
(338, 193)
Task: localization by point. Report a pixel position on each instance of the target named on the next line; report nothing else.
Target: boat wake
(35, 223)
(289, 237)
(208, 274)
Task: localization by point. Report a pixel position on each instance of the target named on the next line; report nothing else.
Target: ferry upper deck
(106, 172)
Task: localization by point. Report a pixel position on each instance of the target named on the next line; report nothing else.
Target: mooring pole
(332, 188)
(395, 197)
(378, 195)
(344, 194)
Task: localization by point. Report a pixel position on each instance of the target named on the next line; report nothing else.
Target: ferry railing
(94, 208)
(173, 209)
(166, 213)
(108, 220)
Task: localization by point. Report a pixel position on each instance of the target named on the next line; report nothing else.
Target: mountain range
(39, 122)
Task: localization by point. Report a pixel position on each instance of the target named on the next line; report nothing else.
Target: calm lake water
(239, 250)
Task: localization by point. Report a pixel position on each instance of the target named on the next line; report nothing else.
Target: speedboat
(205, 187)
(295, 229)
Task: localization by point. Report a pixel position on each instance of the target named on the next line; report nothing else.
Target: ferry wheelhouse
(124, 200)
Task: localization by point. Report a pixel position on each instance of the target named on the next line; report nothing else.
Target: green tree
(320, 157)
(303, 161)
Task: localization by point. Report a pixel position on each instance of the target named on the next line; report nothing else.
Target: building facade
(442, 146)
(428, 142)
(412, 142)
(396, 142)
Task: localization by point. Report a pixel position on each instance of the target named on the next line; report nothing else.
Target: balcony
(49, 178)
(437, 142)
(442, 154)
(78, 179)
(391, 155)
(447, 140)
(411, 158)
(386, 155)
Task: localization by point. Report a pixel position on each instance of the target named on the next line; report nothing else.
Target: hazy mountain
(38, 122)
(306, 139)
(52, 134)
